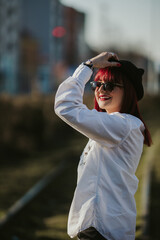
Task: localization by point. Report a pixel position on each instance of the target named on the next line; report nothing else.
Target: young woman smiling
(103, 205)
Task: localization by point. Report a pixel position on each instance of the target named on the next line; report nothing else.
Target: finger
(115, 64)
(112, 56)
(116, 57)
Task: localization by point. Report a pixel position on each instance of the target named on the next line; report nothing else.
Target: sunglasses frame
(108, 86)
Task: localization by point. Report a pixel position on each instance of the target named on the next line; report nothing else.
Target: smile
(104, 98)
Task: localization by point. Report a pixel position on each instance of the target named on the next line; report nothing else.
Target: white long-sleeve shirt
(104, 196)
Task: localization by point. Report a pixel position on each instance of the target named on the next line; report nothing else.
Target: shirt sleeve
(107, 129)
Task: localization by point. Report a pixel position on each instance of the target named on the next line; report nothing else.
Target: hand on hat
(104, 59)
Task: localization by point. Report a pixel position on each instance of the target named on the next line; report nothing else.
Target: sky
(125, 24)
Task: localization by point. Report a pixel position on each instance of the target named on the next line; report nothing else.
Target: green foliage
(29, 125)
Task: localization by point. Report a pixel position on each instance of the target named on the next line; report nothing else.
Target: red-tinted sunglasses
(108, 86)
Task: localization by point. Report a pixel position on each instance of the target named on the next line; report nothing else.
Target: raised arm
(107, 129)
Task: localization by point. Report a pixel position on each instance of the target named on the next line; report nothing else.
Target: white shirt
(104, 196)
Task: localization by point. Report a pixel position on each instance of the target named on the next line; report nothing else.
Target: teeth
(105, 98)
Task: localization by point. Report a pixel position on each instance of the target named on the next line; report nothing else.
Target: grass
(143, 194)
(154, 206)
(17, 179)
(45, 218)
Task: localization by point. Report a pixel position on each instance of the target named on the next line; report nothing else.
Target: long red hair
(130, 103)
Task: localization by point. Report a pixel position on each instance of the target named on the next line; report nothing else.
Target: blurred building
(41, 43)
(32, 58)
(9, 44)
(70, 49)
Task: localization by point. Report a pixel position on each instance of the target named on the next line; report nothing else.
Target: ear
(141, 71)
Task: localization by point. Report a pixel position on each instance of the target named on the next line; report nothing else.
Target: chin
(103, 106)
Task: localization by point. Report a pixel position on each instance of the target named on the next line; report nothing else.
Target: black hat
(134, 74)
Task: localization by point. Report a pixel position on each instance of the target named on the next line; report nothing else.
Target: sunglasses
(108, 86)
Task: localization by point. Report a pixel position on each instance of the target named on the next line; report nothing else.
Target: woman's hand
(102, 60)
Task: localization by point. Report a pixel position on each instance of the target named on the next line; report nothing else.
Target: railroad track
(50, 196)
(32, 193)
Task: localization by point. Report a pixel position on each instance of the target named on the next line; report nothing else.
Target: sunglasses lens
(93, 85)
(108, 86)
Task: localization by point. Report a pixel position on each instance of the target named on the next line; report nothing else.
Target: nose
(101, 88)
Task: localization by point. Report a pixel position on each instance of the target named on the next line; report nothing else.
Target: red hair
(130, 103)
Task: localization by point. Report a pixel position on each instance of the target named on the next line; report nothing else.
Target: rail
(32, 193)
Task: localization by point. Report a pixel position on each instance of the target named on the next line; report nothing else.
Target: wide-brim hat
(134, 75)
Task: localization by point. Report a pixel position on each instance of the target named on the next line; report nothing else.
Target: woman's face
(110, 101)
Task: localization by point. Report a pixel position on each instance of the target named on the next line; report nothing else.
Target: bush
(28, 125)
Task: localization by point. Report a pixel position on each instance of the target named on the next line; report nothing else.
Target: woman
(103, 206)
